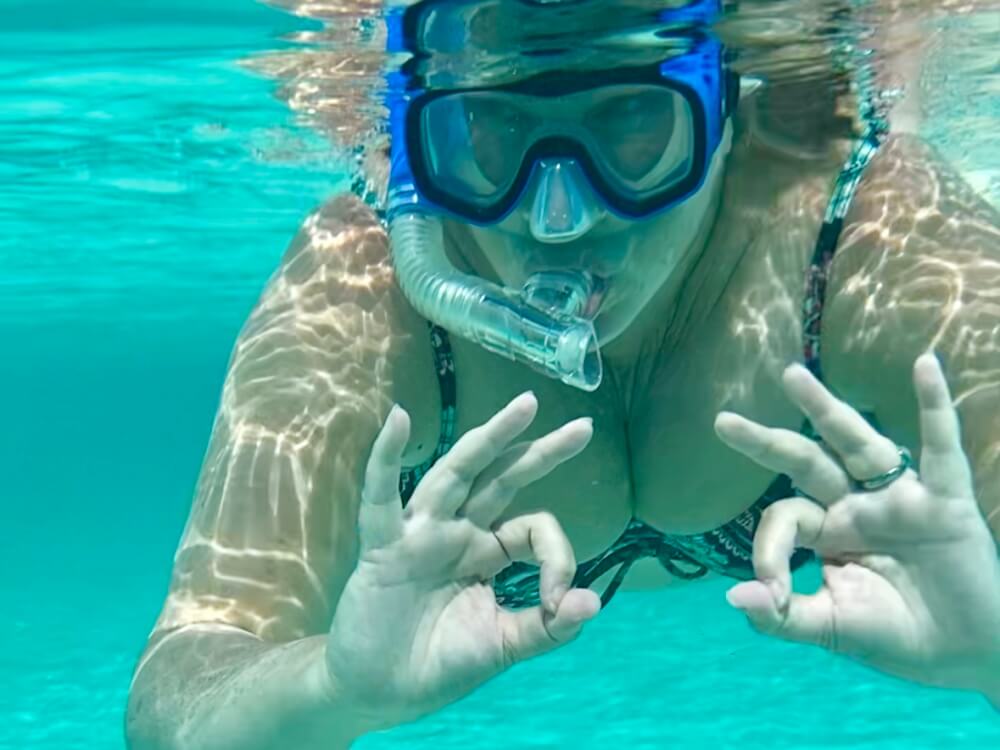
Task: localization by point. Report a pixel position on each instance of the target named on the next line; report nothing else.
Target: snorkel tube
(539, 325)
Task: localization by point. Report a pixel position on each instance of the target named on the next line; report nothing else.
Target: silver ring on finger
(888, 477)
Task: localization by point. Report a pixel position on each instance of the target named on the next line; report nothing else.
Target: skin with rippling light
(332, 344)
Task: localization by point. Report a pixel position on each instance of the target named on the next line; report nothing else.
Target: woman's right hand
(417, 626)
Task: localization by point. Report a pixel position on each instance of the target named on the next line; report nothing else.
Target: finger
(446, 486)
(784, 526)
(802, 619)
(519, 466)
(538, 537)
(944, 468)
(380, 514)
(810, 468)
(864, 451)
(534, 631)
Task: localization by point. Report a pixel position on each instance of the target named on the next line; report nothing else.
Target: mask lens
(633, 129)
(636, 143)
(641, 139)
(474, 143)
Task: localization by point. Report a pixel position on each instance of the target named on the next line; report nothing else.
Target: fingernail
(741, 596)
(521, 396)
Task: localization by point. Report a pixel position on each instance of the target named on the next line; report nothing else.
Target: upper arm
(270, 539)
(919, 269)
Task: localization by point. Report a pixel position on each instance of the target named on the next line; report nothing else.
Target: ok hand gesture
(911, 577)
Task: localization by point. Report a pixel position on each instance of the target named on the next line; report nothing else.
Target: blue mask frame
(699, 74)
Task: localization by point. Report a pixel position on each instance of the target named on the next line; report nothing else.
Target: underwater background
(148, 186)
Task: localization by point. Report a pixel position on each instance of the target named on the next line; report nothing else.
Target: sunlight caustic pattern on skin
(915, 277)
(257, 547)
(767, 319)
(943, 281)
(918, 267)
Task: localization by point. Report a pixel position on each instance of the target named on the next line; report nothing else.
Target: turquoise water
(148, 186)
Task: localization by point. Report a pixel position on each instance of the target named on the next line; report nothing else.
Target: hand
(911, 578)
(417, 626)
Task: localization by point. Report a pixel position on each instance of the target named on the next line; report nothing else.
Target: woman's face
(633, 258)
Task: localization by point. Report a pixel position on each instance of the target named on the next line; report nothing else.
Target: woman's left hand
(911, 576)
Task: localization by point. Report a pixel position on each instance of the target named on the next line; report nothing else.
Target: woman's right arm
(306, 607)
(235, 659)
(213, 687)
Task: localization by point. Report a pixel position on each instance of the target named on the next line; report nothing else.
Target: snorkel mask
(472, 154)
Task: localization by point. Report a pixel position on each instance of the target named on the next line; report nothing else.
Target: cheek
(501, 252)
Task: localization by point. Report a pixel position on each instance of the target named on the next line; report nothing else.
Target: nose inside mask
(564, 206)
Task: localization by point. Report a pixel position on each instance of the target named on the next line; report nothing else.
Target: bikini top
(727, 549)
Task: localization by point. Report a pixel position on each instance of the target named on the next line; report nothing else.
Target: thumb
(531, 632)
(774, 611)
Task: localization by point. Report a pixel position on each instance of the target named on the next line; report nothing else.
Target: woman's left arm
(911, 575)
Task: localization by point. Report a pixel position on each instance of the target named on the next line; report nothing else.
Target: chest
(654, 454)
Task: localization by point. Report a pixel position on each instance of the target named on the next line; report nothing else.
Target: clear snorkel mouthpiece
(541, 325)
(562, 292)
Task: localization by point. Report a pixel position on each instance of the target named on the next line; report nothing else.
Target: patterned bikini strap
(444, 368)
(872, 105)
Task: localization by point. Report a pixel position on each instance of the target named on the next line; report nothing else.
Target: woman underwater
(636, 254)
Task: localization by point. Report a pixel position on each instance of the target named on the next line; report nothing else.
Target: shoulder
(329, 347)
(918, 267)
(332, 320)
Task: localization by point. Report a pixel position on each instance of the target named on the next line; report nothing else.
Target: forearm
(219, 689)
